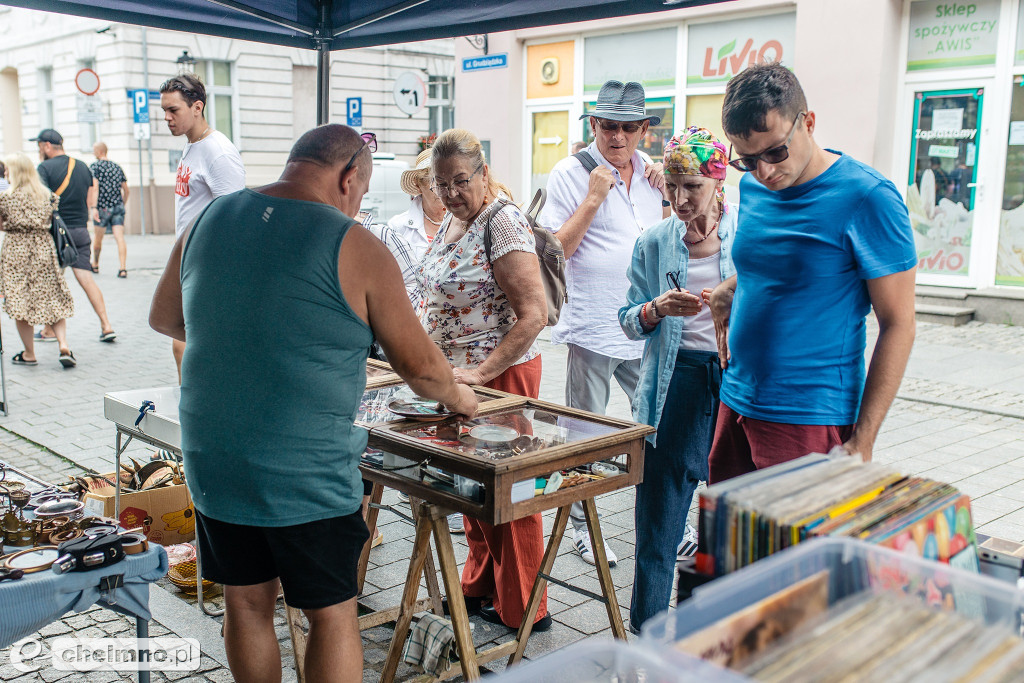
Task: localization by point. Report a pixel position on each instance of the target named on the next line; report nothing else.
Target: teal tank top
(274, 365)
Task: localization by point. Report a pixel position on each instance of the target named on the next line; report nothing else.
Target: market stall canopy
(325, 25)
(342, 24)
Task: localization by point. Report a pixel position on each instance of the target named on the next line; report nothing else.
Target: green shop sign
(952, 34)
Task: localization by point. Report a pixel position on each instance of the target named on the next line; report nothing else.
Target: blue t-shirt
(803, 255)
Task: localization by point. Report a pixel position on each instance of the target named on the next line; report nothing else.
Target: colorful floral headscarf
(696, 151)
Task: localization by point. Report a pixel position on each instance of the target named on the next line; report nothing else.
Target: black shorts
(317, 562)
(83, 241)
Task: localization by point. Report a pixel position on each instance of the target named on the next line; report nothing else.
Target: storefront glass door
(550, 144)
(943, 178)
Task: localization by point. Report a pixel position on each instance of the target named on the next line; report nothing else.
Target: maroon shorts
(743, 444)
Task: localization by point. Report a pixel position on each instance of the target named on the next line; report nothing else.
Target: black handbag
(67, 252)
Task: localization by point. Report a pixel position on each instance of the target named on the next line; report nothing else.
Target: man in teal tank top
(280, 294)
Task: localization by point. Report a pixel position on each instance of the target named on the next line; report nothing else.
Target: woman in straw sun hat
(419, 224)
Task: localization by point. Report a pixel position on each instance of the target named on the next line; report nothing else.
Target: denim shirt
(660, 250)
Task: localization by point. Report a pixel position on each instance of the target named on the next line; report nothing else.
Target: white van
(385, 198)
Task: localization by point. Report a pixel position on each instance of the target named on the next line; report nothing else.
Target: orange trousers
(504, 560)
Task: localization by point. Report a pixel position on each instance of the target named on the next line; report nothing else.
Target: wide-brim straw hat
(419, 172)
(620, 101)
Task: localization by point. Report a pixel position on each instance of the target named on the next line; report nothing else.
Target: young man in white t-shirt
(210, 165)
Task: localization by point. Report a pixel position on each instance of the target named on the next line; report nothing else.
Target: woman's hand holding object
(679, 303)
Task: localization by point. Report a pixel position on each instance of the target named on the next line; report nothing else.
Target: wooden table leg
(371, 523)
(557, 532)
(420, 552)
(294, 617)
(453, 589)
(604, 574)
(430, 572)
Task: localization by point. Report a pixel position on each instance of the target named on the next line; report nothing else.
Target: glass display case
(516, 457)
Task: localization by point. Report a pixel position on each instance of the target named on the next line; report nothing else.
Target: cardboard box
(165, 514)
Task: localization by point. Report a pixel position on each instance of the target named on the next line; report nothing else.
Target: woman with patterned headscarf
(675, 265)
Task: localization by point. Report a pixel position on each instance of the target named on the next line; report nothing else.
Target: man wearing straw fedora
(597, 216)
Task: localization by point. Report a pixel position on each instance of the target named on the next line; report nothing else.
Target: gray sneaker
(456, 524)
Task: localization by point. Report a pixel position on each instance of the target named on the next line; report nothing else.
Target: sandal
(68, 360)
(95, 269)
(122, 273)
(19, 359)
(108, 337)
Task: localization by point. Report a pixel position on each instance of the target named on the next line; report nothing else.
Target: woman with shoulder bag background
(484, 311)
(33, 285)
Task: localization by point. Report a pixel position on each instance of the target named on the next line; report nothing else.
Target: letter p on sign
(354, 112)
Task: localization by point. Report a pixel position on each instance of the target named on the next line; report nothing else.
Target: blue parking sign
(354, 112)
(140, 106)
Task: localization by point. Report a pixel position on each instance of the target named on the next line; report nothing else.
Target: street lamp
(186, 63)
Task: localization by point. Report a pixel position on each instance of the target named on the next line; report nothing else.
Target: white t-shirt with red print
(209, 168)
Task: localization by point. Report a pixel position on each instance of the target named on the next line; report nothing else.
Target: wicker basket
(183, 575)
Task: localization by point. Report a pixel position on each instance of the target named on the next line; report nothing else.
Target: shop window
(653, 143)
(1010, 255)
(648, 57)
(219, 80)
(945, 139)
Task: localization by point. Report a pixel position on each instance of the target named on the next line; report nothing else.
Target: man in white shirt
(210, 165)
(597, 216)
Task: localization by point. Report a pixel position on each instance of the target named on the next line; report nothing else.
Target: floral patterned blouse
(461, 306)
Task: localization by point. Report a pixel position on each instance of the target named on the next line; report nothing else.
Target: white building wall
(268, 116)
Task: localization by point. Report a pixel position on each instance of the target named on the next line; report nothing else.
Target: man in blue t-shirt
(821, 240)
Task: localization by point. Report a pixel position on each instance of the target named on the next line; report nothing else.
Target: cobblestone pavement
(959, 417)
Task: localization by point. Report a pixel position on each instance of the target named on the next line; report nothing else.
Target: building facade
(929, 92)
(261, 96)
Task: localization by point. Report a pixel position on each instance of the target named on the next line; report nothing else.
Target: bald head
(330, 145)
(99, 150)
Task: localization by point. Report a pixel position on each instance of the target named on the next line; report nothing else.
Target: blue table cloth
(38, 599)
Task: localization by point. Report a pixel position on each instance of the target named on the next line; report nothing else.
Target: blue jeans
(672, 470)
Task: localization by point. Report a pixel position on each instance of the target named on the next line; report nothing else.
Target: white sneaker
(456, 524)
(403, 496)
(581, 542)
(688, 547)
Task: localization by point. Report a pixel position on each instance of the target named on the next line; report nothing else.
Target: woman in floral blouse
(485, 315)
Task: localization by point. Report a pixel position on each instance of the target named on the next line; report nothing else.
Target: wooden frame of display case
(498, 476)
(379, 374)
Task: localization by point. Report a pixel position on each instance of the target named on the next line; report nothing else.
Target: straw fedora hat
(419, 172)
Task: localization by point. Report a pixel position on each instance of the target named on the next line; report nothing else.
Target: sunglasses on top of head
(626, 126)
(775, 155)
(369, 142)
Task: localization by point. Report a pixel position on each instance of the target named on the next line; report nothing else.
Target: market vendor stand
(494, 481)
(41, 597)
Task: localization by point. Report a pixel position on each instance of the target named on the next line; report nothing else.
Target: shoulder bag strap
(588, 161)
(499, 204)
(537, 205)
(67, 178)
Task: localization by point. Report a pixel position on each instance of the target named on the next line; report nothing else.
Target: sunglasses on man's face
(775, 155)
(626, 126)
(369, 142)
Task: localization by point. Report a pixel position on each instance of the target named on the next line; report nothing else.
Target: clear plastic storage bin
(604, 661)
(854, 567)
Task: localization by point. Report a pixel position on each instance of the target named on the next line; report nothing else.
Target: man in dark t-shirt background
(75, 200)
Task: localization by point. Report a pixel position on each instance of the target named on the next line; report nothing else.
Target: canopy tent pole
(322, 37)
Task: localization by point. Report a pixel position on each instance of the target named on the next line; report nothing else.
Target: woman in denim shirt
(680, 374)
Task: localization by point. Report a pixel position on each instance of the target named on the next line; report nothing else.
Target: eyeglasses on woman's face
(458, 186)
(775, 155)
(369, 142)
